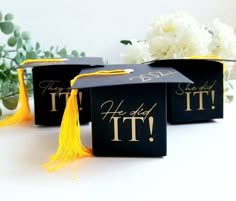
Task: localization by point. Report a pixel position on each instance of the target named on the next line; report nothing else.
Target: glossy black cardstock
(129, 111)
(51, 86)
(201, 100)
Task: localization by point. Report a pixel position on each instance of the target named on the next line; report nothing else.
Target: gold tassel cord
(23, 111)
(52, 60)
(70, 145)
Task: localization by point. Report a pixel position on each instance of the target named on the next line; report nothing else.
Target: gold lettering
(207, 87)
(190, 87)
(211, 86)
(53, 101)
(188, 101)
(141, 112)
(116, 128)
(80, 101)
(133, 126)
(180, 91)
(146, 113)
(49, 85)
(152, 75)
(200, 95)
(110, 112)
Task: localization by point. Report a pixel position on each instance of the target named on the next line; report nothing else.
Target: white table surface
(200, 165)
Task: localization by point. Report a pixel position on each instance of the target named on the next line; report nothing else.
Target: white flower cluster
(180, 36)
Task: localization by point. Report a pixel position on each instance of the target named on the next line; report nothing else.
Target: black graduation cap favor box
(201, 100)
(51, 84)
(128, 112)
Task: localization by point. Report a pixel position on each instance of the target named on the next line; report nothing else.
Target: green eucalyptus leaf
(18, 58)
(17, 28)
(0, 111)
(37, 46)
(31, 55)
(12, 41)
(12, 63)
(6, 53)
(3, 66)
(10, 102)
(63, 53)
(1, 48)
(1, 16)
(28, 46)
(75, 53)
(7, 72)
(9, 17)
(226, 75)
(25, 35)
(17, 33)
(82, 54)
(230, 85)
(29, 85)
(3, 76)
(47, 54)
(5, 88)
(52, 55)
(229, 98)
(14, 87)
(7, 27)
(22, 55)
(12, 68)
(126, 42)
(19, 43)
(13, 77)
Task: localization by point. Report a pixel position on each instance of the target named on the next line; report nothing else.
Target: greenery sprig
(17, 47)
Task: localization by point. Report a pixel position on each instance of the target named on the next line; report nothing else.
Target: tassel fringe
(70, 146)
(23, 114)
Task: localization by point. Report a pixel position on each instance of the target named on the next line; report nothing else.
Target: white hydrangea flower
(136, 53)
(223, 41)
(177, 36)
(180, 35)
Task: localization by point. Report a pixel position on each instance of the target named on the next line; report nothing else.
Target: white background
(96, 27)
(200, 166)
(201, 161)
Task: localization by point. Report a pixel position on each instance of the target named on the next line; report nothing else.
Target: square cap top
(141, 74)
(83, 61)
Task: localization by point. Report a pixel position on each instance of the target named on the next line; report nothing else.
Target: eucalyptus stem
(12, 51)
(13, 94)
(5, 57)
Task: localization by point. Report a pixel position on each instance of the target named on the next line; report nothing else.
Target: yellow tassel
(70, 145)
(23, 113)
